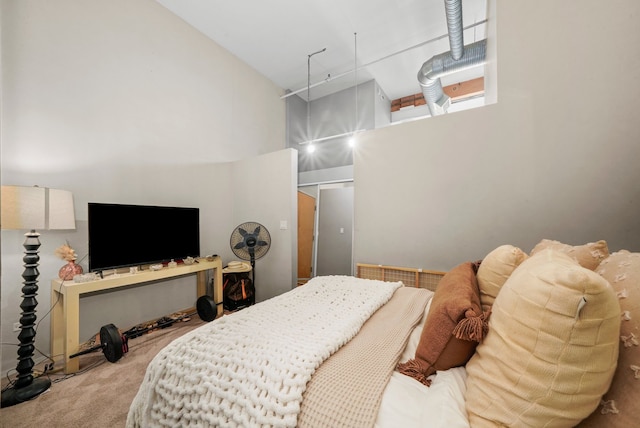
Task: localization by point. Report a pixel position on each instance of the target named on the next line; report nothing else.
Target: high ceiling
(388, 39)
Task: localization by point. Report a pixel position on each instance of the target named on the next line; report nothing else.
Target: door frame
(318, 187)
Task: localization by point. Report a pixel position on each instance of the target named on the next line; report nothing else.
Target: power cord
(57, 298)
(48, 366)
(79, 372)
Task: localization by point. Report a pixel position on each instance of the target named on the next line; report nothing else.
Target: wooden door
(306, 221)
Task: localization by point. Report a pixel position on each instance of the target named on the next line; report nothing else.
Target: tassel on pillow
(417, 370)
(472, 327)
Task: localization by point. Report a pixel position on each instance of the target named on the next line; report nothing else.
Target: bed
(349, 351)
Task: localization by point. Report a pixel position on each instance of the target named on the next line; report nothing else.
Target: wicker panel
(410, 277)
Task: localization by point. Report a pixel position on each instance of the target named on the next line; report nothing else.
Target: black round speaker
(206, 307)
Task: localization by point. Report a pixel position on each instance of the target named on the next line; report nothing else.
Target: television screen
(132, 235)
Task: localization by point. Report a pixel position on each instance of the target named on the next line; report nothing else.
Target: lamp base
(13, 396)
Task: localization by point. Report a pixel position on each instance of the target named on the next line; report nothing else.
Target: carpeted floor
(100, 394)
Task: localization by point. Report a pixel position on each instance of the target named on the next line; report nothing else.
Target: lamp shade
(33, 208)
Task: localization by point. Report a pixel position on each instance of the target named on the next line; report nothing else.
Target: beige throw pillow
(551, 348)
(494, 270)
(588, 255)
(619, 407)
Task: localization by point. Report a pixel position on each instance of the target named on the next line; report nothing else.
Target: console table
(65, 300)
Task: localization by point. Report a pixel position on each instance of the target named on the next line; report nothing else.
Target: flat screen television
(133, 235)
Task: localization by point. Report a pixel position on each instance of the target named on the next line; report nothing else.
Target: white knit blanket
(251, 368)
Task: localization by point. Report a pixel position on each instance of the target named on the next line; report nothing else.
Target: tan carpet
(99, 397)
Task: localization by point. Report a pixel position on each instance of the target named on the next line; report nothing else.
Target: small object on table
(71, 269)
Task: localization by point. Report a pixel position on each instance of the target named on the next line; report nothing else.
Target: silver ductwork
(442, 65)
(457, 59)
(453, 9)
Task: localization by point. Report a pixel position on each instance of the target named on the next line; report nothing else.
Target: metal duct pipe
(453, 9)
(441, 65)
(456, 59)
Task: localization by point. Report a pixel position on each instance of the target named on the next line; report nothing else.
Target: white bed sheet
(407, 403)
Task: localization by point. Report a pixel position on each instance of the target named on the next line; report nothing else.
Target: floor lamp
(31, 208)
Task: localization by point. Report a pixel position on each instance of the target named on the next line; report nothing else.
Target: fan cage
(411, 277)
(237, 237)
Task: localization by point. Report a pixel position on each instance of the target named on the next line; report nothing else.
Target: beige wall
(121, 101)
(556, 157)
(264, 190)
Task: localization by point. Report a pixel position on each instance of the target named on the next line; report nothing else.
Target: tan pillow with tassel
(455, 324)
